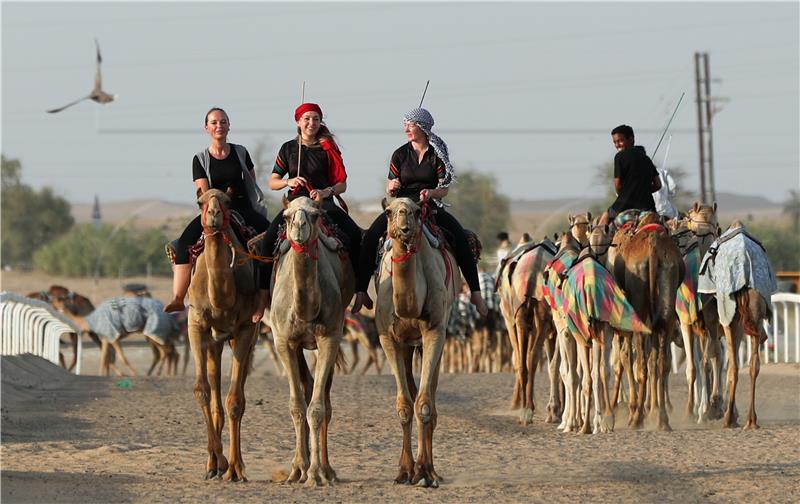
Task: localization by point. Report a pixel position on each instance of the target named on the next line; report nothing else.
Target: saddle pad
(527, 279)
(735, 261)
(687, 303)
(122, 315)
(590, 293)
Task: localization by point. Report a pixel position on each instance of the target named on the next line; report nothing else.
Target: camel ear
(696, 206)
(570, 219)
(285, 202)
(386, 201)
(714, 206)
(589, 216)
(606, 228)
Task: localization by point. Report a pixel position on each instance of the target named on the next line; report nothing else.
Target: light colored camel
(313, 287)
(222, 298)
(702, 222)
(416, 289)
(529, 322)
(580, 226)
(360, 330)
(649, 268)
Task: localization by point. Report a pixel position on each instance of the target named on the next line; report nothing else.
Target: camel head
(703, 219)
(579, 226)
(215, 209)
(568, 242)
(301, 220)
(403, 217)
(600, 239)
(681, 233)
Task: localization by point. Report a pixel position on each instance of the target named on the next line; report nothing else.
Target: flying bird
(97, 93)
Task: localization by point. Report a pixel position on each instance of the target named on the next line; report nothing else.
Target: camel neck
(221, 281)
(305, 276)
(404, 280)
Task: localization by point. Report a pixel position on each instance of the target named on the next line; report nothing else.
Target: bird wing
(53, 111)
(97, 79)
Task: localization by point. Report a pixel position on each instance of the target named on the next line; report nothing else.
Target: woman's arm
(202, 186)
(438, 193)
(276, 182)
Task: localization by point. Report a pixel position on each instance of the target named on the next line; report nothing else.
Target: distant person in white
(664, 205)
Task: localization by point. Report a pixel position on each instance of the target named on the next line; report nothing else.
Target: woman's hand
(393, 186)
(424, 195)
(292, 183)
(320, 194)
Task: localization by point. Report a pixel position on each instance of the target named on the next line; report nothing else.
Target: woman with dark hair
(227, 167)
(319, 173)
(420, 169)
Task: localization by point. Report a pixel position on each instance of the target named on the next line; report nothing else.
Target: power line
(393, 131)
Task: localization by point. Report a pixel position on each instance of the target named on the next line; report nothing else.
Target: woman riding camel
(320, 175)
(420, 169)
(227, 167)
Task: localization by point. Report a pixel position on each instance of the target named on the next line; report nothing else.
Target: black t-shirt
(313, 165)
(226, 173)
(636, 172)
(413, 175)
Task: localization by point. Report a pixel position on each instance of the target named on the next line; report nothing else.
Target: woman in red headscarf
(319, 173)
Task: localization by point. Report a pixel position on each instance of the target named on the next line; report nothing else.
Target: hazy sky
(525, 91)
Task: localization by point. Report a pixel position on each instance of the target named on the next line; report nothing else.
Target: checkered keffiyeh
(424, 120)
(489, 295)
(462, 318)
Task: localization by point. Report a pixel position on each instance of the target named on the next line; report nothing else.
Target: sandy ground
(87, 439)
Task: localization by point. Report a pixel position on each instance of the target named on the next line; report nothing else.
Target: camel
(738, 272)
(580, 226)
(75, 304)
(313, 286)
(361, 330)
(529, 322)
(222, 299)
(416, 288)
(649, 268)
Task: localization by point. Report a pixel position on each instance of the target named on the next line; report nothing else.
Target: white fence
(784, 328)
(33, 326)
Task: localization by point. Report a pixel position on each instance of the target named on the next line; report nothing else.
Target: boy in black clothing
(635, 175)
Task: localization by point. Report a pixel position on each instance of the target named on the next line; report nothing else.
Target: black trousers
(463, 253)
(193, 231)
(335, 214)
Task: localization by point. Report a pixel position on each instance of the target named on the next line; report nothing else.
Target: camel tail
(743, 307)
(652, 277)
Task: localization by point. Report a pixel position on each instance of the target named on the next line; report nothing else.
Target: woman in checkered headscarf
(420, 170)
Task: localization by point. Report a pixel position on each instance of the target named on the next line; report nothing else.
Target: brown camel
(416, 289)
(222, 298)
(361, 330)
(580, 226)
(313, 286)
(649, 268)
(529, 322)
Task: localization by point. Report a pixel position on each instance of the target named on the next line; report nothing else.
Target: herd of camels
(604, 302)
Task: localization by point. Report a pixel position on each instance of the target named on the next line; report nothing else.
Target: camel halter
(310, 249)
(696, 225)
(208, 231)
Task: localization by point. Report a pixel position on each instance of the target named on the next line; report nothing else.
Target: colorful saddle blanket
(687, 302)
(734, 261)
(122, 315)
(590, 293)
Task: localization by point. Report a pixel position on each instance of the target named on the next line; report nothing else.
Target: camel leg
(155, 352)
(553, 404)
(328, 471)
(186, 352)
(118, 349)
(564, 371)
(242, 346)
(73, 338)
(586, 387)
(297, 408)
(637, 402)
(664, 369)
(354, 352)
(701, 358)
(755, 366)
(526, 336)
(425, 407)
(104, 357)
(216, 464)
(616, 367)
(520, 345)
(607, 415)
(516, 396)
(399, 359)
(652, 377)
(732, 338)
(691, 373)
(214, 374)
(715, 351)
(569, 374)
(328, 348)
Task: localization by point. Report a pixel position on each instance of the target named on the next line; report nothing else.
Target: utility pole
(700, 127)
(710, 136)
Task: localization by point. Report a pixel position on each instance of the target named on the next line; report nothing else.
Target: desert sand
(91, 439)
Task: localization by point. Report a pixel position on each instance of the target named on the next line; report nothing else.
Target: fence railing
(784, 304)
(33, 326)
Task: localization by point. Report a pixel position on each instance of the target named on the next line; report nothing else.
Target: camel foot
(606, 424)
(552, 414)
(715, 411)
(526, 417)
(426, 477)
(235, 473)
(214, 474)
(297, 475)
(751, 424)
(404, 476)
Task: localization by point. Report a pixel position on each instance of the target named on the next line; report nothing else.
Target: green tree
(792, 208)
(85, 251)
(479, 207)
(783, 246)
(30, 218)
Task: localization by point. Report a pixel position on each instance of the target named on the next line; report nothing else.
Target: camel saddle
(332, 237)
(240, 228)
(509, 262)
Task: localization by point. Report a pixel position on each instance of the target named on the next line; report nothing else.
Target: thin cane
(423, 93)
(300, 135)
(669, 122)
